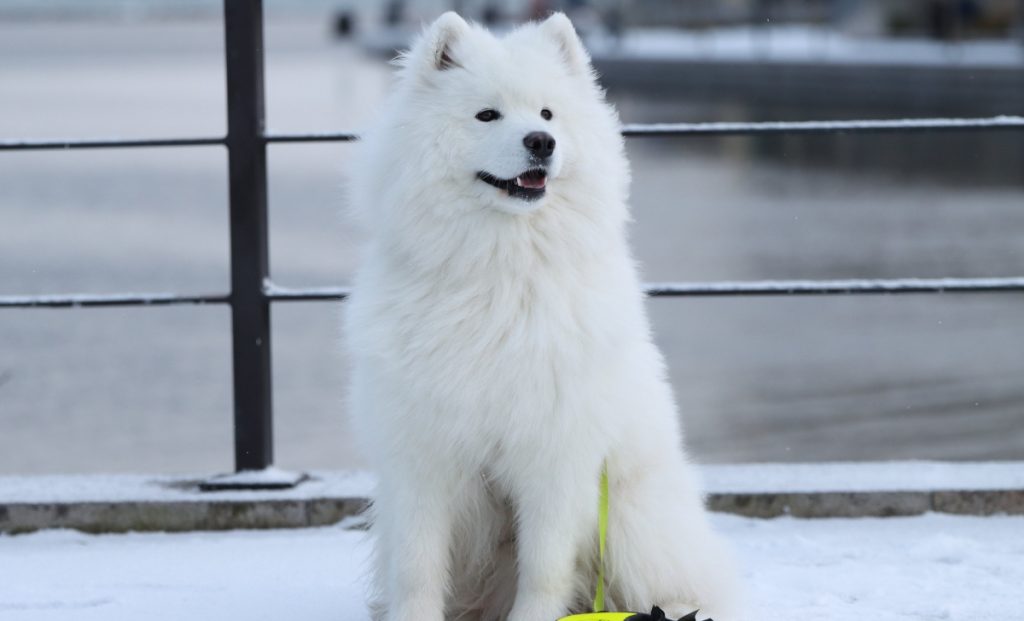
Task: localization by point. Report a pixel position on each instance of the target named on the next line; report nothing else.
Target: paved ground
(147, 390)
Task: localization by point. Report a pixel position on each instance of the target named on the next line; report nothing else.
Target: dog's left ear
(560, 30)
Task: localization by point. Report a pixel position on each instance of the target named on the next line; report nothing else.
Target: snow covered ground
(928, 567)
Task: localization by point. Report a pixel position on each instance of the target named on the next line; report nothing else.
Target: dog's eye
(488, 115)
(545, 114)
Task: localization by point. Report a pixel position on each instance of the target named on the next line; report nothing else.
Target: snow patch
(895, 476)
(737, 478)
(151, 488)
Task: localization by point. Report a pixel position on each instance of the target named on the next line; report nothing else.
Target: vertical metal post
(1020, 21)
(247, 165)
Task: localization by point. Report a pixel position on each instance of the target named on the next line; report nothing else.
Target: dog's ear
(558, 28)
(440, 39)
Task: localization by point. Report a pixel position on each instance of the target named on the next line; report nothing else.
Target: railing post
(250, 261)
(247, 165)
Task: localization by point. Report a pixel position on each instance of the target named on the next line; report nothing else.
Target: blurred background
(822, 378)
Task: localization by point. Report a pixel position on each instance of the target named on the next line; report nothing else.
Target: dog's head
(505, 120)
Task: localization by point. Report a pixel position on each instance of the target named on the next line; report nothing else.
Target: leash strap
(602, 534)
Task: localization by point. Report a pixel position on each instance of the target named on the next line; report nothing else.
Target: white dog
(502, 353)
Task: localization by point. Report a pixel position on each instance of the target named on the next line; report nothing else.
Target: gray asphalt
(758, 379)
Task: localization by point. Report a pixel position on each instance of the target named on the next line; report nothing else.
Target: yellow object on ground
(599, 616)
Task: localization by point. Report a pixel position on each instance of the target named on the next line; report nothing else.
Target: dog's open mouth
(529, 185)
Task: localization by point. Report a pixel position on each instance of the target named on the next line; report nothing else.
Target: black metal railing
(252, 291)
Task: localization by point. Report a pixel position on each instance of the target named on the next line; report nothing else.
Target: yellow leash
(602, 535)
(599, 613)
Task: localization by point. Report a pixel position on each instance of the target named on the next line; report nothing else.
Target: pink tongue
(534, 183)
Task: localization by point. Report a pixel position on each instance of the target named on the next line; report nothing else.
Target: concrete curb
(869, 504)
(220, 514)
(177, 516)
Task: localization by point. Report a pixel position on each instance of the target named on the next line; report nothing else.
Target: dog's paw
(538, 608)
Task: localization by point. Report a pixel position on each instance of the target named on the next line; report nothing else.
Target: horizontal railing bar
(106, 143)
(763, 287)
(276, 293)
(631, 129)
(81, 300)
(838, 287)
(771, 127)
(727, 288)
(314, 137)
(823, 127)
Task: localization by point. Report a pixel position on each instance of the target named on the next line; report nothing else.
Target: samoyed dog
(502, 356)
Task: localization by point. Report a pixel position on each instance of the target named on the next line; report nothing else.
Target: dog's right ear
(439, 41)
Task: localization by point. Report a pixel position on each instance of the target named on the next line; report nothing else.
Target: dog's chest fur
(518, 322)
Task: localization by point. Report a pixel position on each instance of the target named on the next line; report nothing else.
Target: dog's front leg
(414, 531)
(553, 510)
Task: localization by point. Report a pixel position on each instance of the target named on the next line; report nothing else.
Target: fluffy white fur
(502, 351)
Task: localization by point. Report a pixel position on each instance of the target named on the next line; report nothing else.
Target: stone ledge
(124, 503)
(869, 504)
(177, 516)
(193, 515)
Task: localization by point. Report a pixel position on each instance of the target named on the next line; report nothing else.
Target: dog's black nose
(540, 144)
